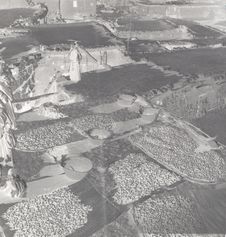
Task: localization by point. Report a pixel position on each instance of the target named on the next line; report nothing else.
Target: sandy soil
(31, 116)
(48, 184)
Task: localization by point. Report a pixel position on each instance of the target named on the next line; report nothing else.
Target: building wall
(73, 8)
(115, 3)
(8, 4)
(191, 12)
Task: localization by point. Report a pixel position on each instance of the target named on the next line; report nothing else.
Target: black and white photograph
(112, 118)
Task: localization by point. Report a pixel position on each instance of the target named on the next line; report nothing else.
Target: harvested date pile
(57, 214)
(174, 148)
(97, 121)
(47, 136)
(167, 214)
(136, 177)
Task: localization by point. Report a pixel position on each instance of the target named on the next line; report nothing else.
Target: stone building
(73, 8)
(8, 4)
(70, 9)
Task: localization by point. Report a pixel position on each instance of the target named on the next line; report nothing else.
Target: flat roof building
(71, 9)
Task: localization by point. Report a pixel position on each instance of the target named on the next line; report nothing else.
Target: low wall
(115, 56)
(192, 12)
(173, 34)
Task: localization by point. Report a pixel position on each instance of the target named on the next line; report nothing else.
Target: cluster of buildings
(68, 9)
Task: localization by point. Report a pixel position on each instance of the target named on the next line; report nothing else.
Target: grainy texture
(56, 214)
(174, 148)
(168, 214)
(48, 136)
(136, 177)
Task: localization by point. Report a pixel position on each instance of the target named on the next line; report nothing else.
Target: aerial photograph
(112, 118)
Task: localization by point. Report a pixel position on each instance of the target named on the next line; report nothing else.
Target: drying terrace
(205, 61)
(88, 34)
(137, 78)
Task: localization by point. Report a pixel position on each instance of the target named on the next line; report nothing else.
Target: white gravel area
(57, 214)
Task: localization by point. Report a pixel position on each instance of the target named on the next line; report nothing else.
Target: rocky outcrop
(13, 186)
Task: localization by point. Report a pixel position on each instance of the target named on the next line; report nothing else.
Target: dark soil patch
(28, 164)
(206, 61)
(214, 124)
(138, 78)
